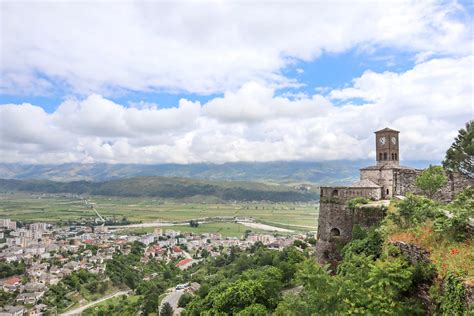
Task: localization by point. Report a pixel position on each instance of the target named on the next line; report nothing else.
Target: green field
(30, 207)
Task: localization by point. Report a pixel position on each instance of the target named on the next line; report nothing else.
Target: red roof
(176, 249)
(184, 262)
(13, 280)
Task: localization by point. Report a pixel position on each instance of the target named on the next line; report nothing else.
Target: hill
(319, 173)
(166, 187)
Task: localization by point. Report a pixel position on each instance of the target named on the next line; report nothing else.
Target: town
(36, 256)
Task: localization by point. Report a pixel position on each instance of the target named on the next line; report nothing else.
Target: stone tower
(386, 148)
(385, 180)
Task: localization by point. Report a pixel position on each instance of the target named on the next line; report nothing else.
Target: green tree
(431, 180)
(460, 156)
(184, 300)
(253, 310)
(166, 310)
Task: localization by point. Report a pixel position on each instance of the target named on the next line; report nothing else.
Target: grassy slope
(447, 255)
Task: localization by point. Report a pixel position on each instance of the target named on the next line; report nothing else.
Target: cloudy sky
(219, 81)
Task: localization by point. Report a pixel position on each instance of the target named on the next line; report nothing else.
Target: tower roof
(386, 129)
(366, 183)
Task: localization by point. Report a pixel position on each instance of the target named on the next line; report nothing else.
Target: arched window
(334, 233)
(380, 156)
(388, 191)
(396, 158)
(393, 156)
(334, 193)
(384, 156)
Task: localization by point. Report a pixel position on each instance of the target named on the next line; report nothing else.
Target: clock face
(394, 140)
(382, 140)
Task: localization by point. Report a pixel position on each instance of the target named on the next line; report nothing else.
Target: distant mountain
(169, 188)
(319, 173)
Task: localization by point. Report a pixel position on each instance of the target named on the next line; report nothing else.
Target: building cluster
(44, 254)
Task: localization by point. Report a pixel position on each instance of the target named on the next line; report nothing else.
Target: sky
(224, 81)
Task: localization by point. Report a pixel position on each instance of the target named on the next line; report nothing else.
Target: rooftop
(387, 129)
(388, 166)
(366, 183)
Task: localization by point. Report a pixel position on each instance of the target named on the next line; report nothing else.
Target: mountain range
(337, 172)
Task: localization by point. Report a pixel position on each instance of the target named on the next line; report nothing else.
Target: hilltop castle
(381, 182)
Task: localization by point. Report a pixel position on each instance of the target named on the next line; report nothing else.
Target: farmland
(52, 208)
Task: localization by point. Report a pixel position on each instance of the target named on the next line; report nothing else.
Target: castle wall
(336, 220)
(405, 182)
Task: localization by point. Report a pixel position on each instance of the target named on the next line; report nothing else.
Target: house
(29, 298)
(12, 283)
(185, 263)
(12, 310)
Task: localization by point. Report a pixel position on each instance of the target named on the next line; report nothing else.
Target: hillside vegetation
(163, 187)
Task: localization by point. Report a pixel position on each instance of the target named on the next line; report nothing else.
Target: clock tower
(386, 147)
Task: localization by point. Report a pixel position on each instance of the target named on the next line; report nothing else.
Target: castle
(380, 183)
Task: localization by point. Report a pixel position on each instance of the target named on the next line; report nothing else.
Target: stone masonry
(380, 182)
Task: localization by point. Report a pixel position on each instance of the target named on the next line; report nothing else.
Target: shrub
(368, 243)
(413, 210)
(452, 302)
(184, 300)
(355, 202)
(455, 220)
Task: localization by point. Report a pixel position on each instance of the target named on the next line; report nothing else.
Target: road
(266, 227)
(173, 299)
(79, 310)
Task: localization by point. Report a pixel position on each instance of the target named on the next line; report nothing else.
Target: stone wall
(412, 252)
(405, 182)
(336, 220)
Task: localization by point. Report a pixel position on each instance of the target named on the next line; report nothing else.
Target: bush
(184, 300)
(460, 211)
(413, 210)
(368, 243)
(452, 302)
(355, 202)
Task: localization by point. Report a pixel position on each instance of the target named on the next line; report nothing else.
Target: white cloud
(428, 104)
(205, 47)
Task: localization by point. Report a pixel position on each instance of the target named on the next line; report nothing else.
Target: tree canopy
(460, 156)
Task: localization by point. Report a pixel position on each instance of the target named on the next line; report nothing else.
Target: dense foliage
(80, 281)
(122, 269)
(9, 269)
(460, 156)
(453, 300)
(450, 221)
(243, 283)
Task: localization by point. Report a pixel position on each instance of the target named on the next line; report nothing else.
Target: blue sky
(231, 81)
(330, 70)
